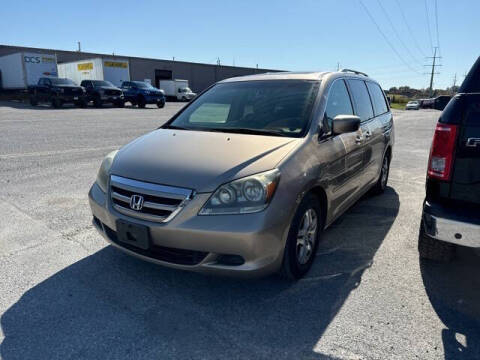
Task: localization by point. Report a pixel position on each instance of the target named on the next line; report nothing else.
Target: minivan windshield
(263, 107)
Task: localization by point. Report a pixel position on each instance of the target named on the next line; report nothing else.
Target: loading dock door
(162, 75)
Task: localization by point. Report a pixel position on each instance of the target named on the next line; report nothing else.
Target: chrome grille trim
(136, 187)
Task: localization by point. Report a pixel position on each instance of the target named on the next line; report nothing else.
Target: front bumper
(112, 98)
(453, 225)
(153, 99)
(70, 98)
(258, 238)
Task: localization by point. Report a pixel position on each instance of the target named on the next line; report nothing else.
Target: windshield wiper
(249, 131)
(174, 127)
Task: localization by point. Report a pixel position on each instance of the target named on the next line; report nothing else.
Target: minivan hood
(199, 160)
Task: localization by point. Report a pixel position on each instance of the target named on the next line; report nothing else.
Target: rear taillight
(442, 152)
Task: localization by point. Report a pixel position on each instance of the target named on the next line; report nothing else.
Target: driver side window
(338, 102)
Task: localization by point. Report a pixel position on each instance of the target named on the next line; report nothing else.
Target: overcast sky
(388, 39)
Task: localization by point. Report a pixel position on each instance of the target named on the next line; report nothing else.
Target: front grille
(72, 91)
(162, 253)
(113, 92)
(160, 203)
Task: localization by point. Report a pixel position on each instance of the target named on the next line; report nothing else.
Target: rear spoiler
(471, 84)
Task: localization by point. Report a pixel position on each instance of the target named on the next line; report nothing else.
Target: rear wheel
(161, 104)
(120, 104)
(433, 249)
(303, 238)
(381, 184)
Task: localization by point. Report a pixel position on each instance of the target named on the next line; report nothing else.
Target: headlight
(104, 172)
(243, 196)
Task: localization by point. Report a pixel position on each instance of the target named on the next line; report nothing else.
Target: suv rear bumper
(453, 225)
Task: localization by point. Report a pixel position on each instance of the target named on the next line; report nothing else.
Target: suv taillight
(442, 152)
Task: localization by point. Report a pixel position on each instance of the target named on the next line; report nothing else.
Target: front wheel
(303, 238)
(97, 102)
(56, 103)
(141, 102)
(161, 104)
(33, 100)
(120, 104)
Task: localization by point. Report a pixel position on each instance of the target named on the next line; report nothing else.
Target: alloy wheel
(307, 236)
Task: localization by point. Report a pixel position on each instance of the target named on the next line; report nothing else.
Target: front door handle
(359, 139)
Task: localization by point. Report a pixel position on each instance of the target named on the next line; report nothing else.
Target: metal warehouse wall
(200, 76)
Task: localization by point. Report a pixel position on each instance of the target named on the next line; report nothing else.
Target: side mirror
(345, 124)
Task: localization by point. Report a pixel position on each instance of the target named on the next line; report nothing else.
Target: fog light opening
(230, 260)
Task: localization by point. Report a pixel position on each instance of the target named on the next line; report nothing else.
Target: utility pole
(433, 65)
(338, 66)
(79, 46)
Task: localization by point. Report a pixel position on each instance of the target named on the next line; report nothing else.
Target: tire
(56, 103)
(184, 98)
(120, 104)
(433, 249)
(33, 100)
(97, 102)
(380, 186)
(295, 265)
(161, 104)
(141, 102)
(81, 104)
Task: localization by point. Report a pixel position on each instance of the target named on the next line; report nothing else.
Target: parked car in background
(142, 93)
(244, 179)
(451, 210)
(413, 105)
(440, 102)
(57, 92)
(177, 89)
(103, 92)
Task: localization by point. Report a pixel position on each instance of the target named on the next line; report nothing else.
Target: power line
(386, 38)
(396, 33)
(410, 29)
(436, 26)
(428, 25)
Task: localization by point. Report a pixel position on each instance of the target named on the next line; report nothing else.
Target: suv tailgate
(465, 184)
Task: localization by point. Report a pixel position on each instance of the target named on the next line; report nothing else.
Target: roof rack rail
(354, 71)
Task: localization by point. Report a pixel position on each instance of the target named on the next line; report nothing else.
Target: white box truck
(177, 89)
(113, 70)
(20, 70)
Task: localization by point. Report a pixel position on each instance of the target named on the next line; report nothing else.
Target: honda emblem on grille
(473, 142)
(136, 202)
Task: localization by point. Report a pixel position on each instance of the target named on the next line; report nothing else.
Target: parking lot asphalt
(65, 294)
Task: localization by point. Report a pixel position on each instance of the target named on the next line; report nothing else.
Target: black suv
(451, 211)
(102, 92)
(57, 92)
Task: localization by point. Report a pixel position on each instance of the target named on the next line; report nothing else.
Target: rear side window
(338, 102)
(379, 102)
(363, 105)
